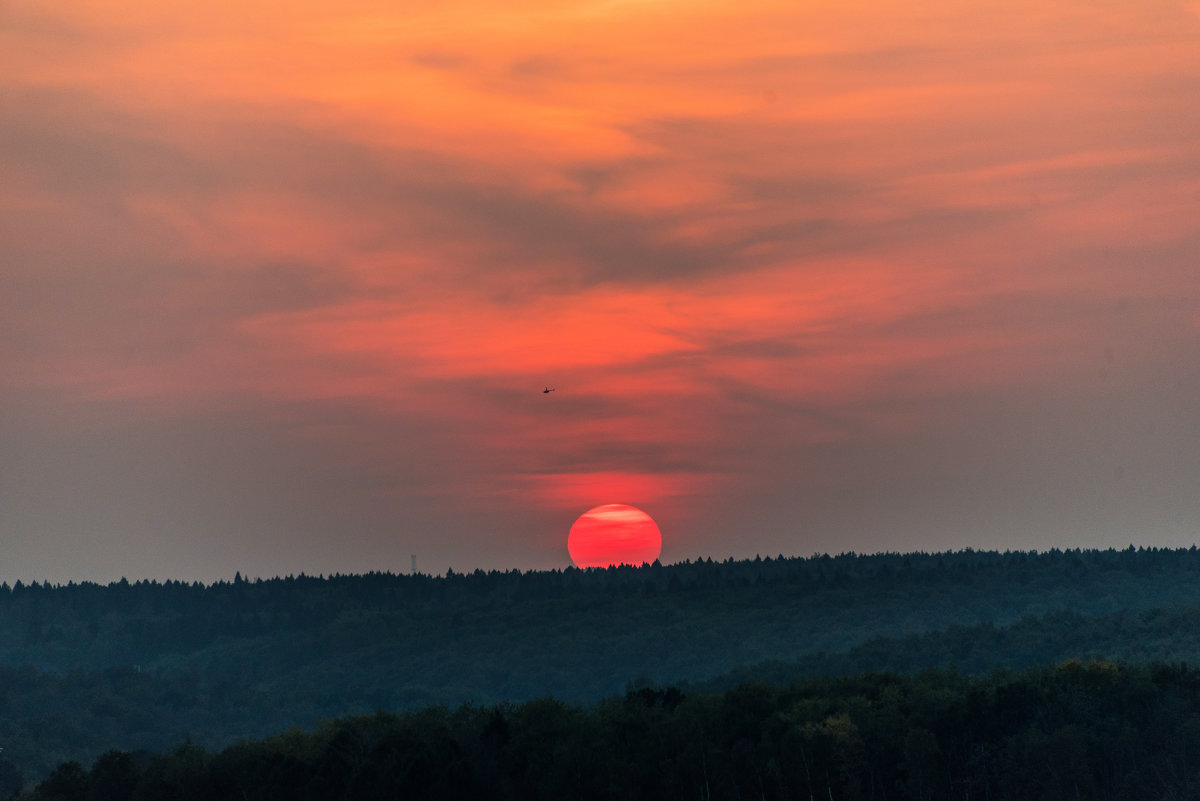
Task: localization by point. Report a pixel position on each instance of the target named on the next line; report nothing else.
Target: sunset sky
(281, 284)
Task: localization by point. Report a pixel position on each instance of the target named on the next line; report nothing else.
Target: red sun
(614, 534)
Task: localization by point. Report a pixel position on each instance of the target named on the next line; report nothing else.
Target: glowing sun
(614, 534)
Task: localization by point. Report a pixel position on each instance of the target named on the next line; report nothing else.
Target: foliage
(1100, 731)
(86, 668)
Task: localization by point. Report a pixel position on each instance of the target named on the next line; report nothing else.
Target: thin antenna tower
(414, 564)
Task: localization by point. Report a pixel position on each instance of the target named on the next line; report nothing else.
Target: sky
(281, 284)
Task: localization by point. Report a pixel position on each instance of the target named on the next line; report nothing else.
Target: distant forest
(86, 668)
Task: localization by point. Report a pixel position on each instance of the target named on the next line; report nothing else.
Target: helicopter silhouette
(547, 389)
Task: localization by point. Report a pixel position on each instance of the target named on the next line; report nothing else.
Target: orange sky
(282, 283)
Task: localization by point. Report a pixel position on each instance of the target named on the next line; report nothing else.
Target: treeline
(85, 667)
(752, 609)
(1101, 731)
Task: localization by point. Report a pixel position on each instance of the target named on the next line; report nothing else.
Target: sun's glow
(614, 534)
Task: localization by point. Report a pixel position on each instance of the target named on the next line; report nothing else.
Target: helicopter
(547, 390)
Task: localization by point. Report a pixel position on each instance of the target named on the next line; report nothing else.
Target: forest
(91, 671)
(1100, 731)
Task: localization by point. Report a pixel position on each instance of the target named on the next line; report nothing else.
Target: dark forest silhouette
(86, 668)
(1100, 731)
